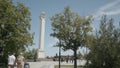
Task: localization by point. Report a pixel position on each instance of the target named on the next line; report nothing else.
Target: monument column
(41, 54)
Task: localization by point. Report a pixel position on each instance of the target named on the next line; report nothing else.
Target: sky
(85, 8)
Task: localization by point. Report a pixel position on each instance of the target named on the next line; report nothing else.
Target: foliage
(105, 48)
(71, 29)
(79, 55)
(14, 27)
(31, 54)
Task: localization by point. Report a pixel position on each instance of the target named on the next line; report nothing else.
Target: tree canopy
(14, 27)
(71, 29)
(104, 51)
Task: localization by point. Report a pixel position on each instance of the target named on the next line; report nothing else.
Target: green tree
(79, 56)
(105, 46)
(31, 54)
(14, 27)
(71, 29)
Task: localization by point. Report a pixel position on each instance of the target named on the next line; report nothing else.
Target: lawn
(67, 66)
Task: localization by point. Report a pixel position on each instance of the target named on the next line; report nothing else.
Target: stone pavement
(50, 64)
(42, 64)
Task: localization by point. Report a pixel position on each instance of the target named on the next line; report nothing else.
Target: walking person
(11, 60)
(26, 65)
(20, 61)
(67, 58)
(72, 59)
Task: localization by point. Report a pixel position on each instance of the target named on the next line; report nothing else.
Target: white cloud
(109, 5)
(112, 8)
(113, 12)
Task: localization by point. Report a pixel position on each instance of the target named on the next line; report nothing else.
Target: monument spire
(41, 53)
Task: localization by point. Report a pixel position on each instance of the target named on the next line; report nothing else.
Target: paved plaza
(42, 64)
(50, 64)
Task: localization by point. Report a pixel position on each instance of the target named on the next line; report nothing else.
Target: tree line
(15, 34)
(74, 31)
(71, 29)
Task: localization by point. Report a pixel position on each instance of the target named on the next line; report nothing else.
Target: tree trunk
(75, 58)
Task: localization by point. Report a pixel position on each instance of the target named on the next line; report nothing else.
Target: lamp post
(60, 54)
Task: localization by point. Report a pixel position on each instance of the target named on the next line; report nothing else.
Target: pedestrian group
(13, 61)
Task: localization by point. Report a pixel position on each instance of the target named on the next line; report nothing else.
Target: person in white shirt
(11, 61)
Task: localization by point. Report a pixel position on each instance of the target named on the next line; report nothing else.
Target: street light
(59, 53)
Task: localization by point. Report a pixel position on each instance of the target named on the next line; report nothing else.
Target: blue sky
(83, 7)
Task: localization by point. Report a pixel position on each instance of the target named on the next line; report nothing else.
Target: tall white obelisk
(41, 54)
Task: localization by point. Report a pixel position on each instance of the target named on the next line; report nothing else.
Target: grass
(67, 66)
